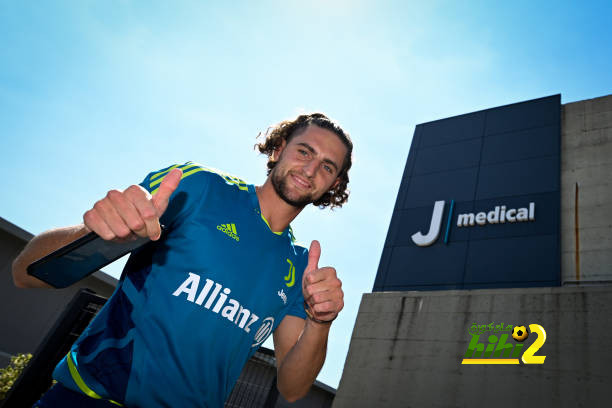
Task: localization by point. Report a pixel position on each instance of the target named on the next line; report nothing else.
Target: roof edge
(26, 236)
(6, 225)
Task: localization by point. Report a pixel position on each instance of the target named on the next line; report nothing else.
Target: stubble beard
(280, 186)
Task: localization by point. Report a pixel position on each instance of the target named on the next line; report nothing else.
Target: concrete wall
(586, 159)
(28, 314)
(407, 347)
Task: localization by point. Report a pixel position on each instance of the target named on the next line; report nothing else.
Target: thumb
(314, 253)
(166, 188)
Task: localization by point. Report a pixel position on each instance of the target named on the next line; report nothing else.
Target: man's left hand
(321, 287)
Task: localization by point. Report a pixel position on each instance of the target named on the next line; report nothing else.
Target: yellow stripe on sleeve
(156, 175)
(190, 172)
(185, 167)
(79, 380)
(187, 174)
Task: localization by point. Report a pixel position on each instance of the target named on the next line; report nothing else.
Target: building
(502, 219)
(28, 314)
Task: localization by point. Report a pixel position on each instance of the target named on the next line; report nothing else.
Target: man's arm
(300, 346)
(40, 246)
(115, 217)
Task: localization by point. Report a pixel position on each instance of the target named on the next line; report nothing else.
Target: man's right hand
(133, 211)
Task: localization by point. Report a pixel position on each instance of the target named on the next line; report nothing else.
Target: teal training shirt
(195, 305)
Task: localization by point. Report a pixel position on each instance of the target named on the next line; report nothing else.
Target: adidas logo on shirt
(229, 230)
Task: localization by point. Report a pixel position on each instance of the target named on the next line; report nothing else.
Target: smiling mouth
(300, 182)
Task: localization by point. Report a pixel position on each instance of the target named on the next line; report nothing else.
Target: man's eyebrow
(313, 151)
(307, 146)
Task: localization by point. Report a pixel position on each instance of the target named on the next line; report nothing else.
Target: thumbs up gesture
(133, 211)
(321, 288)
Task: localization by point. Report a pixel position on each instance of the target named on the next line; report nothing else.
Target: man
(202, 296)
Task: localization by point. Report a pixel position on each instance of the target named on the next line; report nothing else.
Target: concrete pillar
(586, 160)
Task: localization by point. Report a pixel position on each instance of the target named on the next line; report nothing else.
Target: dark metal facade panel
(510, 260)
(408, 168)
(452, 130)
(519, 145)
(437, 264)
(524, 115)
(457, 156)
(530, 176)
(425, 190)
(507, 156)
(383, 267)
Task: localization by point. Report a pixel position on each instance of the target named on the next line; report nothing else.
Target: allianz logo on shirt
(213, 294)
(498, 215)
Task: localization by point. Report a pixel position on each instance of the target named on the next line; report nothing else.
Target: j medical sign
(496, 216)
(479, 202)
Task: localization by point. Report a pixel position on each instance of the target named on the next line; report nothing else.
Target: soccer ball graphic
(519, 333)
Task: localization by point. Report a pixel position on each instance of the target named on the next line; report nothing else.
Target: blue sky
(95, 94)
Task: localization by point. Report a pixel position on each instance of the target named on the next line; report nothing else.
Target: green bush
(9, 374)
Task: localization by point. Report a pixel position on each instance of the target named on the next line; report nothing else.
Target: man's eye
(302, 152)
(328, 169)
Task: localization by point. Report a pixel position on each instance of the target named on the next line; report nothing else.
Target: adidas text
(229, 230)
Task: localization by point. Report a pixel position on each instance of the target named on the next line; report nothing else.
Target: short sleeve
(297, 307)
(187, 195)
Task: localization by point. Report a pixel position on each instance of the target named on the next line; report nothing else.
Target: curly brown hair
(287, 129)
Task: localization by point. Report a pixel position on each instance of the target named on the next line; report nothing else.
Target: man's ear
(335, 183)
(277, 152)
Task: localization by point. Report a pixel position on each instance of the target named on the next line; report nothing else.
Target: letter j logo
(290, 278)
(434, 227)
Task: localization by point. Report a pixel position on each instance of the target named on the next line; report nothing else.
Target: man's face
(308, 166)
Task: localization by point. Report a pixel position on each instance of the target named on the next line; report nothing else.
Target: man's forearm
(302, 364)
(39, 246)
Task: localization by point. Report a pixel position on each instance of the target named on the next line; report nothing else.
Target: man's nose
(310, 168)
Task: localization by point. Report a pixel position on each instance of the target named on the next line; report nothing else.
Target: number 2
(528, 356)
